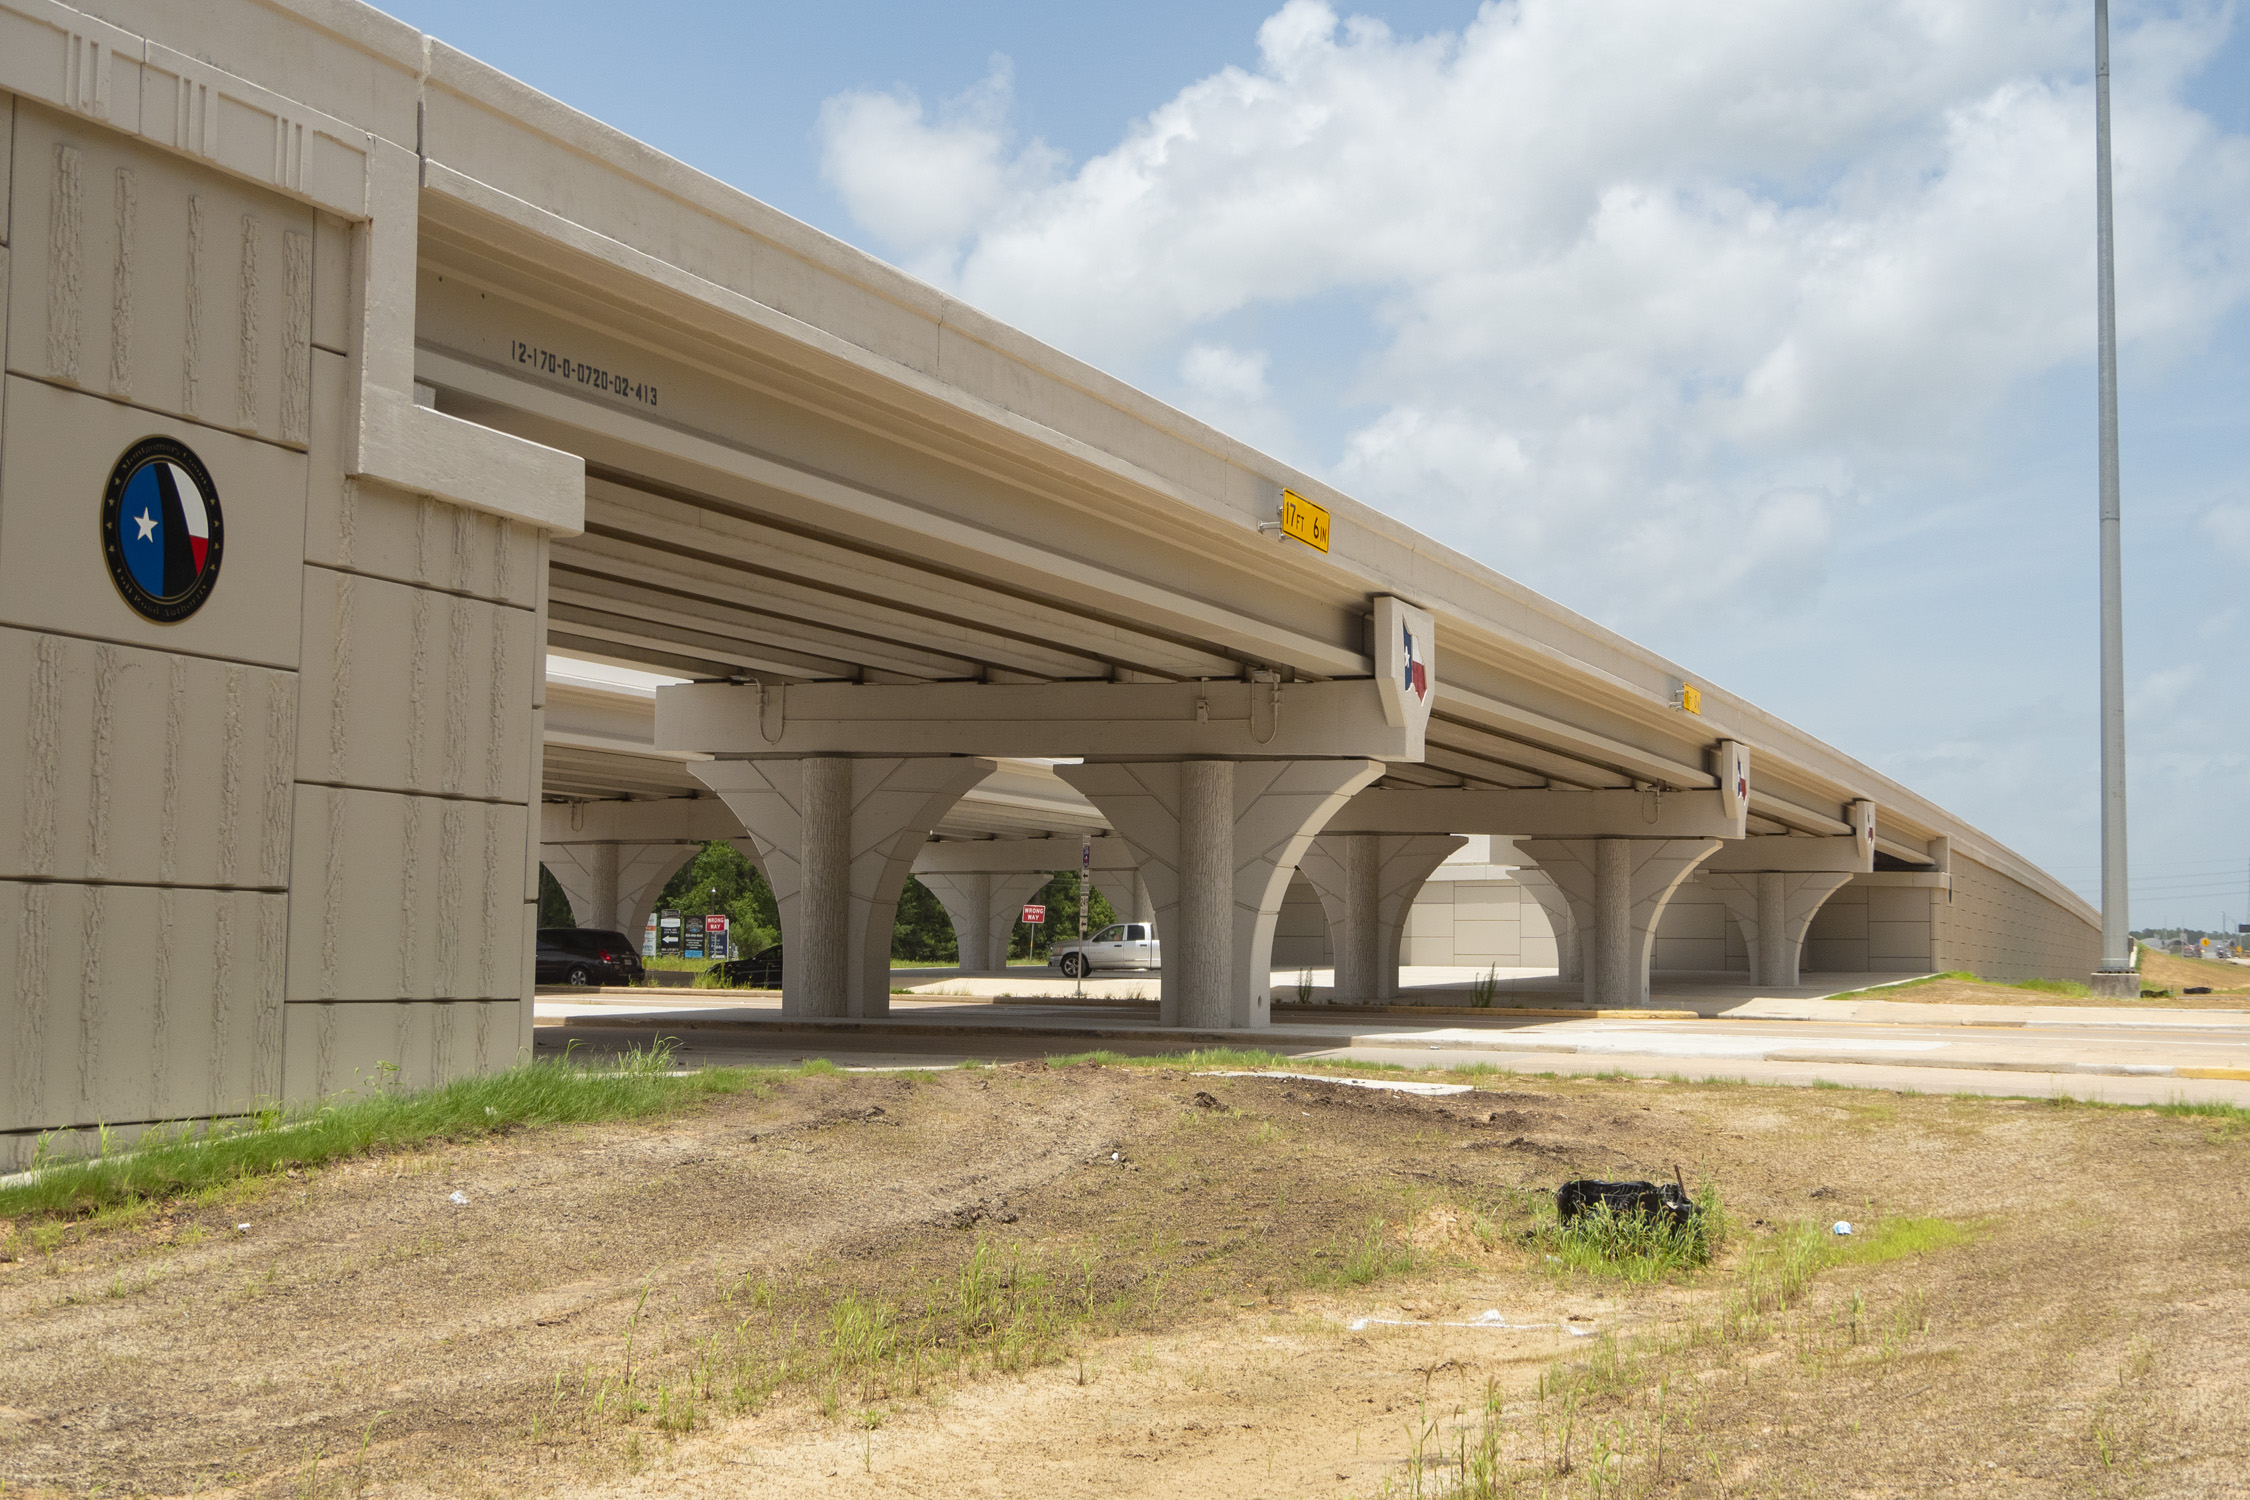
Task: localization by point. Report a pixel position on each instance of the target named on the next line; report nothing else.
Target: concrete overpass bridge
(477, 377)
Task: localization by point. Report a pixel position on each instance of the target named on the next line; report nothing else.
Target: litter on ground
(460, 1198)
(1394, 1086)
(1668, 1202)
(1489, 1318)
(1841, 1228)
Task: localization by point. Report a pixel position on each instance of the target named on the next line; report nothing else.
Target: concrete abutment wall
(253, 853)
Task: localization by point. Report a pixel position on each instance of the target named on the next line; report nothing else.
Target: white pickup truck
(1122, 945)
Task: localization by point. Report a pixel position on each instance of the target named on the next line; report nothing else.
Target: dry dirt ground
(1085, 1281)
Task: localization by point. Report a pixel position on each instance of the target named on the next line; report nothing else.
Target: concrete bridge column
(1570, 958)
(1216, 841)
(837, 838)
(1127, 894)
(1617, 889)
(984, 905)
(1775, 909)
(967, 899)
(1367, 883)
(614, 885)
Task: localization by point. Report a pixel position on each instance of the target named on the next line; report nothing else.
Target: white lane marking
(1654, 1043)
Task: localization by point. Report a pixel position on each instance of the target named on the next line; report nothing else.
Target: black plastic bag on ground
(1666, 1203)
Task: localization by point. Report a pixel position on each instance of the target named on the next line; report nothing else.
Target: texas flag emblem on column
(161, 529)
(1416, 678)
(1405, 645)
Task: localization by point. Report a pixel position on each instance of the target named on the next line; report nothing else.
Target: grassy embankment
(197, 1159)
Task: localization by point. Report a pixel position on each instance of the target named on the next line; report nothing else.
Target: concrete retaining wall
(2002, 929)
(255, 852)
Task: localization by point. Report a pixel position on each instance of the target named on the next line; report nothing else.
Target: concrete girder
(642, 631)
(663, 820)
(1617, 889)
(1543, 813)
(1581, 745)
(1218, 842)
(1111, 855)
(837, 839)
(802, 649)
(1752, 856)
(1479, 766)
(950, 606)
(1367, 882)
(675, 557)
(1183, 720)
(1774, 909)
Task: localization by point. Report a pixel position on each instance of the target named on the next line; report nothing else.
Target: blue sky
(1760, 331)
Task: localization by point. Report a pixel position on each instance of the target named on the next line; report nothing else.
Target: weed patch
(1631, 1246)
(639, 1084)
(1630, 1415)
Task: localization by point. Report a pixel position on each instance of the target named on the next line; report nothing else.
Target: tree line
(720, 878)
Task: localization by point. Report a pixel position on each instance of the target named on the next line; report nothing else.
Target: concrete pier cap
(1216, 787)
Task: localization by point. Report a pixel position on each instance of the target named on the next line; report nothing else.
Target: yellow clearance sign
(1305, 521)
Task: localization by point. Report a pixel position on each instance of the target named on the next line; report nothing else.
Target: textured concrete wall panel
(1836, 940)
(333, 1049)
(129, 1003)
(7, 166)
(123, 764)
(145, 278)
(2002, 929)
(405, 898)
(369, 528)
(412, 690)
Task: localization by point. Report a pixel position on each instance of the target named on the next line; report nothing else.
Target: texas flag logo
(1416, 676)
(161, 529)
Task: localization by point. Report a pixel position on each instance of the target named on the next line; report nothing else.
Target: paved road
(2120, 1056)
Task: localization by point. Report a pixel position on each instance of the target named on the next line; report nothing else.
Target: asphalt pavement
(2120, 1055)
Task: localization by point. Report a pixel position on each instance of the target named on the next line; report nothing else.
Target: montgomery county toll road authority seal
(161, 530)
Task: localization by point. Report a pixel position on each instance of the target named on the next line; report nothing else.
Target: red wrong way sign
(1035, 914)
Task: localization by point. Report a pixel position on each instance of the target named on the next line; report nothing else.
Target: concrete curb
(2098, 1018)
(1279, 1038)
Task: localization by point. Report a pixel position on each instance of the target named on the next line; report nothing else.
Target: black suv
(760, 971)
(584, 955)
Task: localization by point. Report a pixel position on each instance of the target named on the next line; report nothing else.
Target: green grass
(637, 1085)
(1888, 990)
(2203, 1109)
(1634, 1247)
(1892, 1239)
(1605, 1416)
(2066, 987)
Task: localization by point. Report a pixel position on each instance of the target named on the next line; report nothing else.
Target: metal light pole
(2115, 977)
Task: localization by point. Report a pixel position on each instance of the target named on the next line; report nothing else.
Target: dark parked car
(584, 955)
(760, 971)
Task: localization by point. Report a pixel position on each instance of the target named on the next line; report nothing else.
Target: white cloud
(922, 185)
(1224, 373)
(2228, 525)
(1665, 293)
